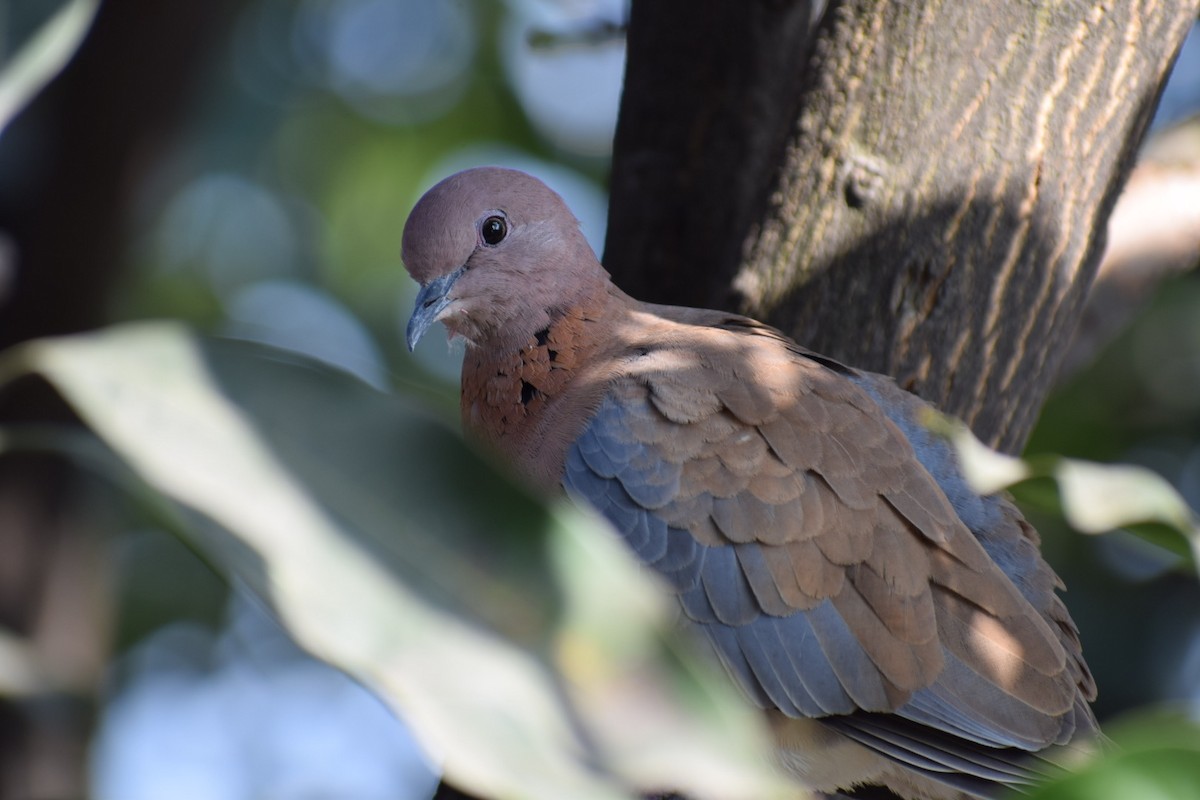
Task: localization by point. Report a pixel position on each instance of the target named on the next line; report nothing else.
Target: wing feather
(824, 558)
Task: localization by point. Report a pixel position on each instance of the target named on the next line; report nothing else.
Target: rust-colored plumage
(898, 629)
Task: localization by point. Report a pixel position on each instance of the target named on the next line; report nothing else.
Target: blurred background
(246, 166)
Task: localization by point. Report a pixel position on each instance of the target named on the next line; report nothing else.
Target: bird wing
(805, 538)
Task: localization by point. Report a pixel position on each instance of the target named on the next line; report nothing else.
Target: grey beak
(431, 300)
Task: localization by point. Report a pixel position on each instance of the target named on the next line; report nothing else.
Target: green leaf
(985, 470)
(521, 641)
(1100, 497)
(1094, 498)
(1154, 756)
(43, 57)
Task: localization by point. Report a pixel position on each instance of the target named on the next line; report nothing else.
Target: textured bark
(710, 96)
(937, 211)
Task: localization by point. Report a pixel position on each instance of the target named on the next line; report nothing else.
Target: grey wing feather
(764, 651)
(806, 662)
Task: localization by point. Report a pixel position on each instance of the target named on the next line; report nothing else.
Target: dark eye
(493, 230)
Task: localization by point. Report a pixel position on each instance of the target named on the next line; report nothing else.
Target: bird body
(897, 629)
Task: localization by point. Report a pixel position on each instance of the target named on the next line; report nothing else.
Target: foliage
(516, 635)
(41, 58)
(1092, 498)
(1155, 756)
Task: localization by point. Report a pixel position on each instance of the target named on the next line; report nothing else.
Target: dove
(896, 628)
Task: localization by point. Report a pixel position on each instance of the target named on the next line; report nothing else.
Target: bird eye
(493, 230)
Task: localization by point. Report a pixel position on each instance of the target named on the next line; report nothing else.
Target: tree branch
(1153, 234)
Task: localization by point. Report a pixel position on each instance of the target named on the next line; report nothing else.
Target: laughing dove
(898, 629)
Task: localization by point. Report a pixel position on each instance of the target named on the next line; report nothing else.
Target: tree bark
(712, 90)
(936, 210)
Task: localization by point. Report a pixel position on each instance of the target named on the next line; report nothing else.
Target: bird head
(495, 252)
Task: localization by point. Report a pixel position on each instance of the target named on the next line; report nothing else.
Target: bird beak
(431, 301)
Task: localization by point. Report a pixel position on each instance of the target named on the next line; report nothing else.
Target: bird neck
(518, 398)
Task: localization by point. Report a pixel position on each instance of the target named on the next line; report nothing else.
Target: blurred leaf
(1094, 498)
(43, 57)
(531, 654)
(986, 470)
(590, 34)
(21, 672)
(1100, 497)
(1154, 757)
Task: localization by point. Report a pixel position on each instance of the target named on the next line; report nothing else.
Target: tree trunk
(936, 207)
